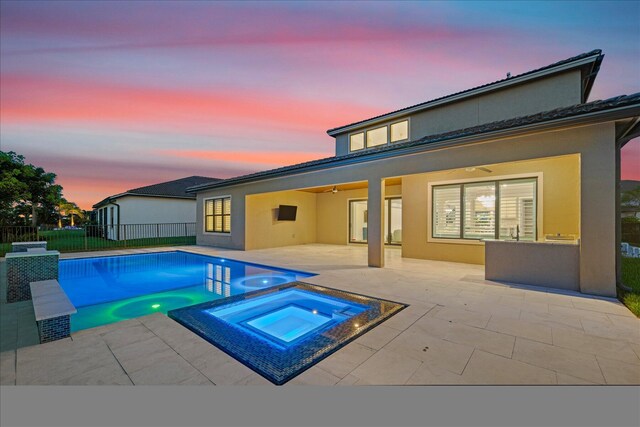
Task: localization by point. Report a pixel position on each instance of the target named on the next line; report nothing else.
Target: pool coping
(189, 318)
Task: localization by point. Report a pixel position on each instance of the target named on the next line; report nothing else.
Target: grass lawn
(631, 278)
(75, 241)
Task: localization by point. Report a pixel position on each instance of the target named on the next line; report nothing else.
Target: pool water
(286, 317)
(110, 289)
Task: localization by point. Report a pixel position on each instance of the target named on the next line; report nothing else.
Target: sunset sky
(115, 95)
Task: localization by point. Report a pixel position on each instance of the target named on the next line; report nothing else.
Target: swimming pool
(110, 289)
(282, 331)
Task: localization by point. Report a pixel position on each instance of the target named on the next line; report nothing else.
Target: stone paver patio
(458, 329)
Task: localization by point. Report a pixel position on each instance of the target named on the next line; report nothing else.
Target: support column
(598, 219)
(375, 222)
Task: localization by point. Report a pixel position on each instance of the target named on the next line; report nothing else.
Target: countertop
(537, 242)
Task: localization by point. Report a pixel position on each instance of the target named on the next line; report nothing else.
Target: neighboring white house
(158, 210)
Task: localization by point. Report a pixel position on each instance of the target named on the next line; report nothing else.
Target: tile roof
(559, 113)
(176, 188)
(485, 86)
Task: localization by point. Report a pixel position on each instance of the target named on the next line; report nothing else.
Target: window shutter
(446, 211)
(479, 211)
(518, 208)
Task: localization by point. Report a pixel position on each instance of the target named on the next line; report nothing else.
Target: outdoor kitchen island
(554, 264)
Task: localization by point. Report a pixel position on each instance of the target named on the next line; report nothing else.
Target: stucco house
(520, 175)
(164, 203)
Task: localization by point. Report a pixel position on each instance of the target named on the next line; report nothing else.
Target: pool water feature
(110, 289)
(289, 316)
(281, 331)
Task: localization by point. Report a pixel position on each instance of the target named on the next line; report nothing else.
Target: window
(518, 208)
(356, 141)
(446, 211)
(377, 137)
(485, 210)
(217, 215)
(400, 131)
(382, 135)
(479, 211)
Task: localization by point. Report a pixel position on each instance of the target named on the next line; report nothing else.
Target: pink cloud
(41, 98)
(265, 158)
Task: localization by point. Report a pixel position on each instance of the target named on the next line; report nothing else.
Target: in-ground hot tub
(282, 331)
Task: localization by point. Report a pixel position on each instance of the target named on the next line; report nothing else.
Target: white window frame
(388, 143)
(204, 216)
(458, 241)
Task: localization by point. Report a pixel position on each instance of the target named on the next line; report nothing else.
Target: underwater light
(155, 306)
(265, 281)
(315, 311)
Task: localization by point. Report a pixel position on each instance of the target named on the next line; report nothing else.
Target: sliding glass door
(394, 235)
(358, 221)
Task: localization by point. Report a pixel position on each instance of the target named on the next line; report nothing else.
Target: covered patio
(458, 329)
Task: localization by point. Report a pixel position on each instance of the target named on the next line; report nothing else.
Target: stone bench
(53, 310)
(26, 246)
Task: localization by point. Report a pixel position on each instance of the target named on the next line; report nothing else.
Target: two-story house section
(519, 175)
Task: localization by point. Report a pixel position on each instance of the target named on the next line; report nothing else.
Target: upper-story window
(356, 141)
(377, 136)
(382, 135)
(399, 131)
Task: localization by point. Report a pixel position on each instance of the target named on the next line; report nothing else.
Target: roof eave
(117, 196)
(596, 58)
(590, 78)
(594, 117)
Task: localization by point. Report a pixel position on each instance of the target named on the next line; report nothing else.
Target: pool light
(155, 306)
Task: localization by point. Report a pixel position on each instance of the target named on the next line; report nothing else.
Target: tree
(631, 197)
(12, 188)
(28, 191)
(42, 192)
(66, 208)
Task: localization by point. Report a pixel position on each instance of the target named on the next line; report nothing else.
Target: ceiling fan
(482, 168)
(333, 190)
(472, 169)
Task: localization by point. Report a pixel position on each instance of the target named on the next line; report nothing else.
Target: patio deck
(459, 329)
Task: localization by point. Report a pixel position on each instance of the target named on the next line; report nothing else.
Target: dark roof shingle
(176, 188)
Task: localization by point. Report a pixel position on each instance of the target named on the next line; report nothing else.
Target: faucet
(517, 236)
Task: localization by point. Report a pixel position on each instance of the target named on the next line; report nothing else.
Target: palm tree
(68, 208)
(72, 210)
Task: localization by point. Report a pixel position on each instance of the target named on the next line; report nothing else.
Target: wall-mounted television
(287, 213)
